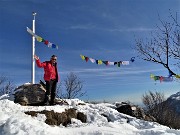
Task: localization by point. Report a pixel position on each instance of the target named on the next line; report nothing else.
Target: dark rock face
(134, 111)
(29, 94)
(82, 117)
(126, 109)
(64, 118)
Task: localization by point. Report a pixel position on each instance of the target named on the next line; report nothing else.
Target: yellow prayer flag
(100, 62)
(39, 39)
(177, 76)
(151, 76)
(82, 57)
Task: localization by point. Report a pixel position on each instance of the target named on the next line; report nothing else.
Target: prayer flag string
(40, 39)
(169, 78)
(100, 62)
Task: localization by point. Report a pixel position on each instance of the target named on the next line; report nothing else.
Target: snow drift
(13, 121)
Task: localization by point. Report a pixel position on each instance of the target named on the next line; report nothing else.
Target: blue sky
(100, 29)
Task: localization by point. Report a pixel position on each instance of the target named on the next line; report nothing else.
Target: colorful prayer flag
(99, 62)
(40, 39)
(161, 78)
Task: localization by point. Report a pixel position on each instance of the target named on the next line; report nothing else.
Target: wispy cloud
(113, 71)
(91, 26)
(138, 29)
(83, 27)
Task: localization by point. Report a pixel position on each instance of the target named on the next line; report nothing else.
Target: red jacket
(50, 71)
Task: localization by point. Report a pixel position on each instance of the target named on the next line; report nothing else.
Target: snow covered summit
(13, 121)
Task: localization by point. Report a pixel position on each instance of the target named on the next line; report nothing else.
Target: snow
(13, 121)
(175, 96)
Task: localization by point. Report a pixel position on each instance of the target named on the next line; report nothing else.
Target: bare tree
(164, 46)
(59, 90)
(6, 86)
(152, 100)
(73, 87)
(158, 107)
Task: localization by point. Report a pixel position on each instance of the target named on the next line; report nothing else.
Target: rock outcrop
(64, 118)
(29, 94)
(134, 111)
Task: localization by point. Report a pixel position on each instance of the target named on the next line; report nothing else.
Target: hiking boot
(47, 100)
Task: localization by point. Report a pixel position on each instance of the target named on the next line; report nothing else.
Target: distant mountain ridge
(174, 101)
(175, 96)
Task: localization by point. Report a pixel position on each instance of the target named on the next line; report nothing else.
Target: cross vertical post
(33, 50)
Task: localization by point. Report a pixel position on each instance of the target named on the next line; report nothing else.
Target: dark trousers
(50, 91)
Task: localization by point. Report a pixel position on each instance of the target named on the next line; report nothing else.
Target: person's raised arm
(38, 62)
(36, 57)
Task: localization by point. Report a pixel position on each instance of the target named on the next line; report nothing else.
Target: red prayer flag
(46, 42)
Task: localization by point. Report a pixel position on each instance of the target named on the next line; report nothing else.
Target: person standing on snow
(50, 76)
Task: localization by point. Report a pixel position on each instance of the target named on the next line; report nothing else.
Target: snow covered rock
(64, 118)
(134, 111)
(29, 94)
